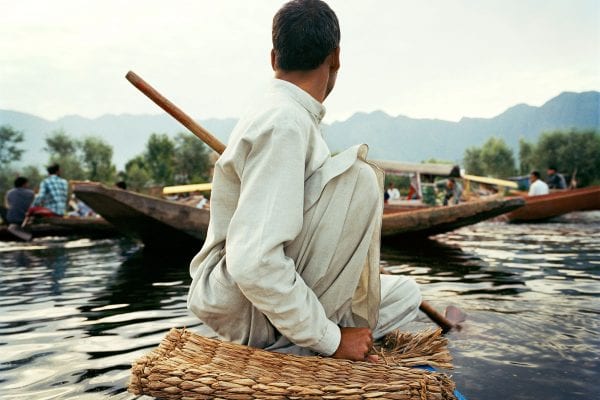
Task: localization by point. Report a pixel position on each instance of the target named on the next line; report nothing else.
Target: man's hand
(354, 344)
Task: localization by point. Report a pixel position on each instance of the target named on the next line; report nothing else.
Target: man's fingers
(373, 358)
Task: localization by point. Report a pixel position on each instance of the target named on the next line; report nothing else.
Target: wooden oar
(445, 323)
(175, 112)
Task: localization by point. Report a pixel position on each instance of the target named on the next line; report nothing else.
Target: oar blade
(455, 315)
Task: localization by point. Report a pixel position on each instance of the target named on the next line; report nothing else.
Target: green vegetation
(192, 163)
(494, 159)
(572, 152)
(10, 151)
(9, 142)
(167, 162)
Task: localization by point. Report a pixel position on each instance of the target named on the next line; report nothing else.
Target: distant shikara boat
(540, 208)
(162, 223)
(68, 226)
(424, 222)
(157, 222)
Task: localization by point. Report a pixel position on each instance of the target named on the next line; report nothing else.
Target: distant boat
(157, 222)
(68, 226)
(162, 223)
(431, 221)
(540, 208)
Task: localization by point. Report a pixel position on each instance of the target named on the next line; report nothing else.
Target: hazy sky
(428, 59)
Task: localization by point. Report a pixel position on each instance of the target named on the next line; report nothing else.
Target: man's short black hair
(536, 174)
(21, 181)
(53, 169)
(553, 167)
(304, 33)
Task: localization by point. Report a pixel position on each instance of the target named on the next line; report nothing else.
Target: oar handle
(175, 112)
(436, 317)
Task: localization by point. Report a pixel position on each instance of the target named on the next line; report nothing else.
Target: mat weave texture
(189, 366)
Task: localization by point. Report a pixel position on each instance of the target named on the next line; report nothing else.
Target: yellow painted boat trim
(198, 187)
(491, 181)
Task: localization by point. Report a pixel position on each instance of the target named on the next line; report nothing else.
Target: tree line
(575, 153)
(164, 161)
(185, 159)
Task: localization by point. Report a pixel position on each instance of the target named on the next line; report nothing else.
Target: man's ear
(334, 65)
(273, 60)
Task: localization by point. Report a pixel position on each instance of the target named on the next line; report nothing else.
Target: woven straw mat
(189, 366)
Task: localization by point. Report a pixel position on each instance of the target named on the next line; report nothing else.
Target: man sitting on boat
(555, 180)
(17, 201)
(453, 191)
(537, 187)
(291, 258)
(51, 200)
(393, 192)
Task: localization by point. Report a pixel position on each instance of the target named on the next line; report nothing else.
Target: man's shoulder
(272, 118)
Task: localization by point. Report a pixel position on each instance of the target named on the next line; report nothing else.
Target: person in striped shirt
(53, 193)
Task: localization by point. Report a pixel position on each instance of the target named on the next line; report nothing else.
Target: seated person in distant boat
(537, 187)
(555, 180)
(18, 200)
(79, 208)
(393, 192)
(291, 258)
(52, 197)
(413, 190)
(201, 201)
(121, 185)
(453, 191)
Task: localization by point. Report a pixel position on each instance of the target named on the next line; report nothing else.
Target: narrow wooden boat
(162, 223)
(157, 222)
(69, 226)
(435, 220)
(540, 208)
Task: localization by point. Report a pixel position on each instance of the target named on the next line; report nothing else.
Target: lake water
(75, 314)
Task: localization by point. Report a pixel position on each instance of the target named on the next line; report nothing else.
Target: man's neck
(313, 82)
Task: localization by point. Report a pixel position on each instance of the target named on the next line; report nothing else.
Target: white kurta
(292, 248)
(538, 188)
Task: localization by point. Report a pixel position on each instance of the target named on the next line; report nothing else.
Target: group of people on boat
(555, 181)
(452, 190)
(51, 200)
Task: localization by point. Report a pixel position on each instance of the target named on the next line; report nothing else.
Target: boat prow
(540, 208)
(157, 222)
(435, 220)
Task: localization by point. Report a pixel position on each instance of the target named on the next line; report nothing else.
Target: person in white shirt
(393, 192)
(537, 187)
(291, 258)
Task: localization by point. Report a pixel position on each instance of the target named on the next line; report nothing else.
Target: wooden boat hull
(539, 208)
(156, 222)
(160, 223)
(436, 220)
(80, 227)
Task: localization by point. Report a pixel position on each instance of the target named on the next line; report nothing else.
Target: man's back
(53, 194)
(556, 181)
(538, 188)
(258, 195)
(19, 200)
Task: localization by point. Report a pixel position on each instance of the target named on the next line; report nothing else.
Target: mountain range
(391, 138)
